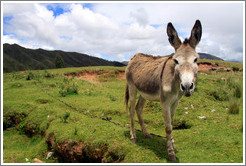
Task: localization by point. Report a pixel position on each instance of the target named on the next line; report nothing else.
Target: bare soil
(71, 151)
(93, 76)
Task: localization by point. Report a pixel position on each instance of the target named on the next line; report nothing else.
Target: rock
(37, 161)
(213, 68)
(49, 155)
(202, 117)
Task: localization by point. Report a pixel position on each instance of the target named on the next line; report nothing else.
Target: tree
(59, 62)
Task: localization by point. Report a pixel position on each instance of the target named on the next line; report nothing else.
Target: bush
(30, 76)
(47, 74)
(235, 68)
(67, 88)
(72, 89)
(59, 62)
(237, 91)
(234, 106)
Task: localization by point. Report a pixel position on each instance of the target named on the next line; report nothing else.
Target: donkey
(164, 79)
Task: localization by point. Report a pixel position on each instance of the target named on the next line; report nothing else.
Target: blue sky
(56, 10)
(116, 31)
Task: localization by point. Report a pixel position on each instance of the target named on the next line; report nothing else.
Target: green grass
(218, 139)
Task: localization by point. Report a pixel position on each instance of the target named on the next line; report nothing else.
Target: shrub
(30, 76)
(72, 89)
(237, 91)
(47, 74)
(235, 68)
(234, 106)
(67, 88)
(59, 62)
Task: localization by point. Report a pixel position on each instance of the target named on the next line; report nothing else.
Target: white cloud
(119, 30)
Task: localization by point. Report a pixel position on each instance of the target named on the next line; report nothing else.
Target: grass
(196, 140)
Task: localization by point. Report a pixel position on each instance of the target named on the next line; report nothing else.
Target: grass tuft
(65, 117)
(234, 106)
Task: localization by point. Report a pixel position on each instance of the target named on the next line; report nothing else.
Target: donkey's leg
(132, 97)
(168, 128)
(173, 109)
(139, 109)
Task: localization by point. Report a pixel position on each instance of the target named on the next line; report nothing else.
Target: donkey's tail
(126, 96)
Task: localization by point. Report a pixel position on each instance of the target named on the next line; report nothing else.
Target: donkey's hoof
(148, 136)
(172, 157)
(134, 140)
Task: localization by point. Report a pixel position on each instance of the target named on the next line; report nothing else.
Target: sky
(117, 31)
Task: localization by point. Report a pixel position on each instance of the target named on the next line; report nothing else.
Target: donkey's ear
(173, 36)
(196, 34)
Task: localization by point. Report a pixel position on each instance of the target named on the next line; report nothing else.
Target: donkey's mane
(151, 56)
(186, 41)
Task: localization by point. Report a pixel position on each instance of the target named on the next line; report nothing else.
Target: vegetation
(36, 59)
(59, 62)
(36, 123)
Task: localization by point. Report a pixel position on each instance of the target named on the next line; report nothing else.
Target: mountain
(209, 56)
(202, 56)
(16, 58)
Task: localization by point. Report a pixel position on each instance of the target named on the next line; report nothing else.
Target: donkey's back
(143, 71)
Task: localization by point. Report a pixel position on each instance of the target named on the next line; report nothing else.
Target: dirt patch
(207, 66)
(121, 75)
(87, 75)
(70, 151)
(95, 76)
(204, 67)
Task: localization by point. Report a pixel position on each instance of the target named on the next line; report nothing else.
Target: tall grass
(234, 106)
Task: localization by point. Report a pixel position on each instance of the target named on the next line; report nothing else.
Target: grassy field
(36, 123)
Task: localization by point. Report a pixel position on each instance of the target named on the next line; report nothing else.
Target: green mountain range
(17, 58)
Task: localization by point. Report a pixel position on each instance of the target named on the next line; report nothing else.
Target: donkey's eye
(176, 61)
(195, 60)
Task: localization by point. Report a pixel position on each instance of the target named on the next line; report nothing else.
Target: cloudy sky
(116, 31)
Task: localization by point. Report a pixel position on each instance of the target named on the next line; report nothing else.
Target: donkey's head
(185, 57)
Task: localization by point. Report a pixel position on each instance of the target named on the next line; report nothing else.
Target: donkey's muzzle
(187, 88)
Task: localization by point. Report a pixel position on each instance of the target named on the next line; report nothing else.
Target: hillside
(209, 56)
(77, 115)
(18, 58)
